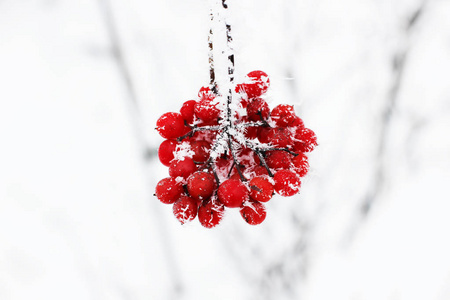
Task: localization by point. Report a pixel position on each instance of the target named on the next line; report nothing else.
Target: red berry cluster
(224, 155)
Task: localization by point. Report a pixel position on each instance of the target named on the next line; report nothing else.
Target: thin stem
(235, 161)
(231, 169)
(213, 168)
(279, 149)
(264, 163)
(261, 157)
(197, 129)
(259, 113)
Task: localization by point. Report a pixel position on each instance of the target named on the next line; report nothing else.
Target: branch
(125, 73)
(230, 57)
(212, 73)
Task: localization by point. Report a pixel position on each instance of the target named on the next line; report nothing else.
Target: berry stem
(235, 161)
(263, 161)
(213, 168)
(231, 169)
(264, 122)
(196, 129)
(260, 155)
(280, 149)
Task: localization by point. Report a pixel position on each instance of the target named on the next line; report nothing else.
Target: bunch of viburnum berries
(224, 153)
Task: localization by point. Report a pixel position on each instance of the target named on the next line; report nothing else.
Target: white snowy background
(82, 83)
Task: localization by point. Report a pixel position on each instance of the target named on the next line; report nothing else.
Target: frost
(183, 150)
(250, 205)
(220, 146)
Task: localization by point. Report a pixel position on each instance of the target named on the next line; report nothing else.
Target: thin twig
(235, 161)
(213, 168)
(231, 169)
(197, 129)
(279, 149)
(261, 157)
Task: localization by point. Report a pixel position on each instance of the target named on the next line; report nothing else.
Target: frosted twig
(250, 124)
(260, 155)
(213, 168)
(259, 113)
(230, 53)
(279, 149)
(235, 161)
(212, 73)
(197, 129)
(229, 132)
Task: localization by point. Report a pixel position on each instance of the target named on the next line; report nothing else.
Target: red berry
(278, 159)
(205, 93)
(257, 84)
(299, 159)
(263, 134)
(301, 165)
(259, 76)
(166, 151)
(287, 183)
(206, 110)
(232, 193)
(201, 151)
(239, 89)
(210, 213)
(260, 189)
(223, 163)
(256, 171)
(306, 140)
(250, 132)
(236, 176)
(303, 170)
(247, 157)
(283, 115)
(243, 101)
(298, 123)
(182, 168)
(253, 212)
(171, 125)
(185, 209)
(280, 137)
(201, 185)
(258, 108)
(187, 111)
(168, 190)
